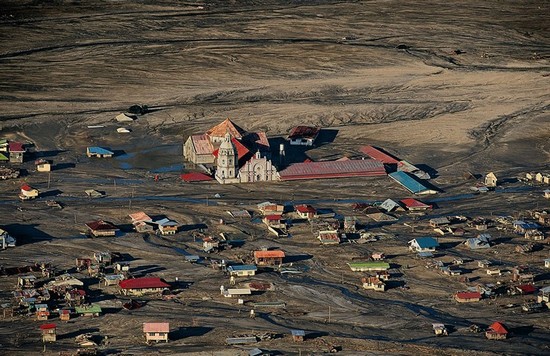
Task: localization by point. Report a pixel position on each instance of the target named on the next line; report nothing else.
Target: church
(238, 156)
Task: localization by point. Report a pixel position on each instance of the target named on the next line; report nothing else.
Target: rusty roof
(224, 127)
(202, 144)
(269, 254)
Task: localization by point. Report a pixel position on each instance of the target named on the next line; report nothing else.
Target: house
(303, 135)
(547, 263)
(48, 332)
(142, 222)
(103, 257)
(231, 292)
(298, 335)
(75, 296)
(156, 331)
(90, 310)
(368, 266)
(524, 289)
(373, 283)
(26, 282)
(101, 228)
(122, 267)
(98, 152)
(390, 205)
(546, 193)
(43, 165)
(378, 256)
(440, 329)
(383, 275)
(490, 180)
(305, 211)
(242, 270)
(42, 311)
(350, 224)
(274, 220)
(328, 237)
(28, 192)
(268, 208)
(438, 222)
(496, 331)
(6, 240)
(544, 296)
(167, 226)
(269, 258)
(521, 227)
(65, 314)
(210, 244)
(467, 297)
(423, 244)
(141, 286)
(17, 152)
(415, 205)
(480, 242)
(112, 279)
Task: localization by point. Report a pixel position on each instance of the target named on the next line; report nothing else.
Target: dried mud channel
(457, 85)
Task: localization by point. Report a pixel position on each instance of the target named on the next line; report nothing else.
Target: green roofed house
(91, 310)
(369, 266)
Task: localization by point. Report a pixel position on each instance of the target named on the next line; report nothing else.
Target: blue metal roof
(427, 242)
(99, 151)
(410, 183)
(298, 332)
(242, 268)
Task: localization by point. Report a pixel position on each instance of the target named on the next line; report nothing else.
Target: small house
(167, 226)
(210, 244)
(48, 332)
(103, 257)
(142, 222)
(82, 263)
(305, 211)
(43, 165)
(42, 311)
(467, 297)
(6, 240)
(328, 237)
(274, 220)
(303, 135)
(423, 244)
(267, 208)
(440, 329)
(415, 205)
(242, 270)
(547, 263)
(544, 296)
(390, 205)
(378, 256)
(65, 314)
(232, 292)
(17, 152)
(521, 227)
(480, 242)
(269, 258)
(90, 310)
(496, 331)
(112, 279)
(101, 228)
(490, 180)
(439, 222)
(26, 281)
(383, 275)
(75, 296)
(156, 332)
(298, 335)
(99, 152)
(28, 192)
(373, 283)
(141, 286)
(546, 193)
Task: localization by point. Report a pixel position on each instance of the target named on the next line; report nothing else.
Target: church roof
(242, 151)
(226, 126)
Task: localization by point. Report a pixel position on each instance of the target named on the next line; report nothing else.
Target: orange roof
(226, 126)
(497, 328)
(267, 254)
(156, 327)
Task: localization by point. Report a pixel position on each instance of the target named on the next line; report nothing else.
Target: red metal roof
(333, 169)
(195, 177)
(468, 295)
(101, 225)
(156, 327)
(379, 155)
(304, 132)
(273, 217)
(413, 203)
(241, 149)
(141, 283)
(16, 147)
(47, 326)
(268, 254)
(497, 328)
(26, 187)
(527, 288)
(305, 209)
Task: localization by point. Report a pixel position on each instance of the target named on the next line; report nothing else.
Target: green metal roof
(94, 308)
(369, 264)
(3, 157)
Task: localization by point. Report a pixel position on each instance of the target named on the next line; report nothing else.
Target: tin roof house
(303, 135)
(141, 286)
(496, 331)
(17, 152)
(99, 152)
(156, 332)
(101, 228)
(423, 244)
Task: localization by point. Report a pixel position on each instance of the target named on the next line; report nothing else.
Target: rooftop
(202, 144)
(307, 132)
(156, 327)
(100, 151)
(142, 283)
(333, 169)
(379, 155)
(226, 126)
(269, 254)
(410, 183)
(101, 225)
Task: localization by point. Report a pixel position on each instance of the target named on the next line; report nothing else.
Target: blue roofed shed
(411, 183)
(298, 335)
(98, 152)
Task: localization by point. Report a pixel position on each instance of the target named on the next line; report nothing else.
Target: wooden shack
(49, 333)
(298, 335)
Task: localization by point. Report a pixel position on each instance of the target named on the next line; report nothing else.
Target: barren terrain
(456, 85)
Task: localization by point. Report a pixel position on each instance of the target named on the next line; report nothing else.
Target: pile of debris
(8, 173)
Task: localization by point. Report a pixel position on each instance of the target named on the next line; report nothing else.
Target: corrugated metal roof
(411, 184)
(333, 169)
(195, 177)
(140, 283)
(242, 268)
(226, 126)
(307, 132)
(156, 327)
(202, 144)
(267, 254)
(101, 225)
(379, 155)
(16, 147)
(498, 328)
